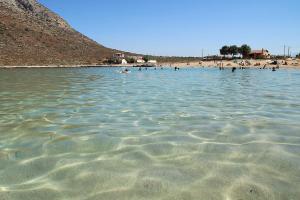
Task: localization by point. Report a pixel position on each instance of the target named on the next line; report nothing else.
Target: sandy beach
(239, 63)
(290, 63)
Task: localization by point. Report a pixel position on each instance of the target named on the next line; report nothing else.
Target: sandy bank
(238, 63)
(225, 63)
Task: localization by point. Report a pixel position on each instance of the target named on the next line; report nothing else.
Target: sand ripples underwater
(158, 134)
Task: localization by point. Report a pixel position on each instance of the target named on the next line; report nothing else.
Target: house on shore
(119, 55)
(260, 54)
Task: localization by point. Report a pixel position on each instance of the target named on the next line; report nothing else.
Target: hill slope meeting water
(31, 34)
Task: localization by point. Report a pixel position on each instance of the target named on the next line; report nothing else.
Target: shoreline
(253, 64)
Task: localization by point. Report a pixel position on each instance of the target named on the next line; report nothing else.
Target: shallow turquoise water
(159, 134)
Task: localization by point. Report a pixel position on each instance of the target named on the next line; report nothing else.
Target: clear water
(158, 134)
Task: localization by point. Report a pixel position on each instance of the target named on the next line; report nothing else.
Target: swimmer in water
(125, 71)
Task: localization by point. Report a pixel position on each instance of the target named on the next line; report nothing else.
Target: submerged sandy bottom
(156, 134)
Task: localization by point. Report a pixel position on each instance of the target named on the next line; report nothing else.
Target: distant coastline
(290, 63)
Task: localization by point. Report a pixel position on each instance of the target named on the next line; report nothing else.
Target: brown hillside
(30, 34)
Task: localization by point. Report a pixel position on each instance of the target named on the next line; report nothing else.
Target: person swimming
(125, 71)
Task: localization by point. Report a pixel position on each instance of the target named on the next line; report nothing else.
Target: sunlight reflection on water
(93, 133)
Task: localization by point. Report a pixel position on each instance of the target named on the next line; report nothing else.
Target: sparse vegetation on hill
(24, 4)
(30, 34)
(2, 28)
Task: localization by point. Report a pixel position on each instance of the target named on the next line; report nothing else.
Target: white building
(140, 61)
(152, 62)
(124, 62)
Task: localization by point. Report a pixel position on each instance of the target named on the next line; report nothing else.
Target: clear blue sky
(184, 27)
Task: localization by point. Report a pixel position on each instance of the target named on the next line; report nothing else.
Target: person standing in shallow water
(233, 69)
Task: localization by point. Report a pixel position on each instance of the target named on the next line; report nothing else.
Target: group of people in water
(247, 63)
(221, 67)
(233, 69)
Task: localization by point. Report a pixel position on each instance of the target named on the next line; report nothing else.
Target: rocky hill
(30, 34)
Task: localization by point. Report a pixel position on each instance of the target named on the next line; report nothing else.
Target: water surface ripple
(93, 133)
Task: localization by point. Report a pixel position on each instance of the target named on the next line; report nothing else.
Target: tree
(298, 56)
(233, 50)
(130, 60)
(146, 58)
(245, 50)
(224, 50)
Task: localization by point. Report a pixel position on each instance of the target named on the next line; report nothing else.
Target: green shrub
(146, 58)
(113, 61)
(130, 60)
(2, 28)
